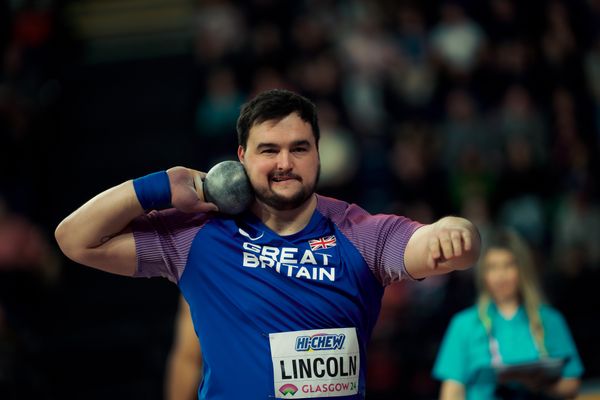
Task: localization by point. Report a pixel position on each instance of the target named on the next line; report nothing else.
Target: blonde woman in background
(509, 324)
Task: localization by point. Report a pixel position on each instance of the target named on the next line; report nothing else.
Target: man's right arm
(97, 234)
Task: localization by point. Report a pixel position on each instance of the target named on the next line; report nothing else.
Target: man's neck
(286, 222)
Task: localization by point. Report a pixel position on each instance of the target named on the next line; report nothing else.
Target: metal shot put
(227, 185)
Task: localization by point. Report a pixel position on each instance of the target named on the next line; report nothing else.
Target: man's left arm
(451, 243)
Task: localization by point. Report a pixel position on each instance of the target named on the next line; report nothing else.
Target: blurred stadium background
(488, 109)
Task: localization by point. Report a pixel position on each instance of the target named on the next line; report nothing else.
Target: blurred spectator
(502, 21)
(217, 113)
(570, 154)
(561, 54)
(29, 271)
(266, 46)
(417, 177)
(518, 121)
(523, 182)
(319, 77)
(340, 154)
(219, 26)
(576, 273)
(268, 78)
(509, 324)
(466, 147)
(24, 248)
(477, 209)
(463, 133)
(592, 73)
(577, 228)
(512, 62)
(457, 41)
(413, 78)
(367, 50)
(525, 214)
(310, 35)
(558, 42)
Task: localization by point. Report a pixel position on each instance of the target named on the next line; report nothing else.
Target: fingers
(206, 207)
(198, 186)
(187, 193)
(196, 172)
(457, 245)
(468, 241)
(203, 206)
(434, 253)
(190, 205)
(448, 244)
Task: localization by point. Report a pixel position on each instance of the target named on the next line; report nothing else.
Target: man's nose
(284, 161)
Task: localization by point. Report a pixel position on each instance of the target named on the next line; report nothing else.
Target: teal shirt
(464, 355)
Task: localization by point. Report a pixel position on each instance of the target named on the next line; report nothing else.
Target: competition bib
(315, 363)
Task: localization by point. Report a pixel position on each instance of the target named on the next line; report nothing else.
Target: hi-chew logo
(320, 341)
(288, 388)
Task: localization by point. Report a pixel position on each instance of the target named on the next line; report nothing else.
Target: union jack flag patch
(322, 243)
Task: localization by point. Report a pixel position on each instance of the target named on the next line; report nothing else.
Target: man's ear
(241, 153)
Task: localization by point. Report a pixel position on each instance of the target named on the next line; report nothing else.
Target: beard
(282, 203)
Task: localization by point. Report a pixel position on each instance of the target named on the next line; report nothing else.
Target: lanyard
(494, 350)
(493, 344)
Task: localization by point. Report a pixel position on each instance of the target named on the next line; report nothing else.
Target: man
(184, 366)
(284, 297)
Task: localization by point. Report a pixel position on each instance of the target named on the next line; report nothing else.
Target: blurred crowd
(485, 109)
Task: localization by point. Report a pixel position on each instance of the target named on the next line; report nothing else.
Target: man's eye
(268, 151)
(300, 149)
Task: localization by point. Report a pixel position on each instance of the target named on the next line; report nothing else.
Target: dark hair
(275, 104)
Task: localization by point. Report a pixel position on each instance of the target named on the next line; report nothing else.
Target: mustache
(286, 175)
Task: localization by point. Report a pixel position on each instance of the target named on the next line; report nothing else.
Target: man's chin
(283, 202)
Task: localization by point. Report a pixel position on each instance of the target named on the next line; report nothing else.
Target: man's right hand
(186, 190)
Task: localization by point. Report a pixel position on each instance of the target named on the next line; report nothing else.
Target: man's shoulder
(336, 209)
(327, 203)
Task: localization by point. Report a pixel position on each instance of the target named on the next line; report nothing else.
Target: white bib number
(315, 363)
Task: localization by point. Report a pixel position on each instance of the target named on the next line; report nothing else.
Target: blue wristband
(153, 191)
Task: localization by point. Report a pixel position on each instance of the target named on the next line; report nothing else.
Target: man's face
(282, 162)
